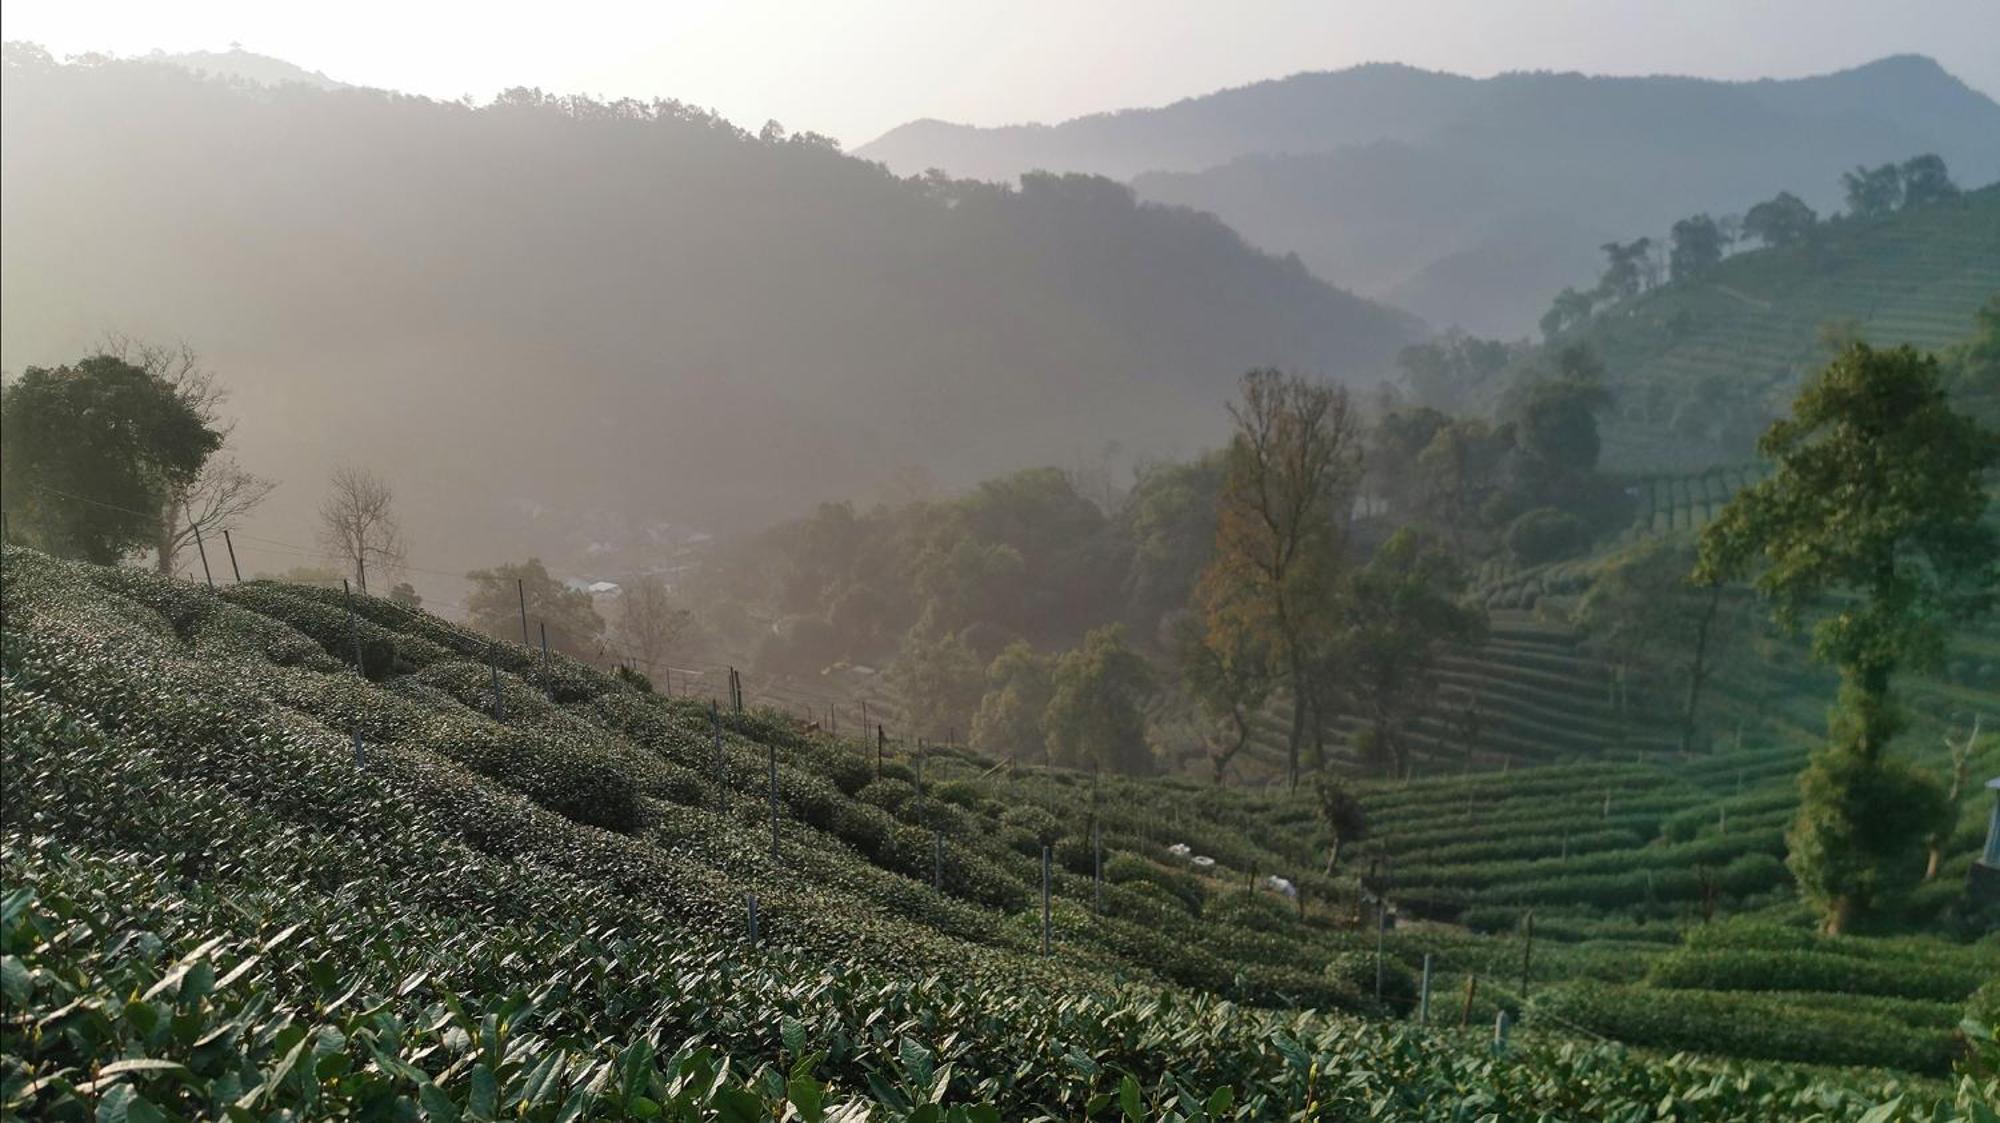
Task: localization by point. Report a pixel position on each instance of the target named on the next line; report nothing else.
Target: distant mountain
(246, 66)
(1697, 368)
(1380, 175)
(620, 313)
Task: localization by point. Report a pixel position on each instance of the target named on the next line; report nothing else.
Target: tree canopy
(92, 453)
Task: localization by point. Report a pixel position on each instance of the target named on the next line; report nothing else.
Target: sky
(854, 69)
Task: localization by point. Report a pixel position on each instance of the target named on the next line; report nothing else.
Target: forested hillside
(635, 311)
(1698, 366)
(1462, 199)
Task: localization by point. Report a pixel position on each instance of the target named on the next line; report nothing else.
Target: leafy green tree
(1926, 180)
(1229, 678)
(1290, 474)
(1879, 496)
(938, 681)
(1340, 815)
(405, 594)
(1169, 519)
(1782, 220)
(1543, 535)
(1873, 192)
(1458, 472)
(1401, 613)
(1645, 613)
(1453, 372)
(1696, 246)
(1095, 714)
(1627, 265)
(494, 607)
(1974, 366)
(90, 454)
(1008, 724)
(1556, 427)
(1569, 309)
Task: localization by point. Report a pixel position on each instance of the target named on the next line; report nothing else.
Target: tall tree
(1095, 714)
(91, 454)
(358, 524)
(1227, 684)
(1879, 495)
(1926, 181)
(494, 607)
(650, 624)
(1696, 245)
(1873, 192)
(1645, 613)
(1290, 475)
(1782, 220)
(938, 681)
(1627, 268)
(1400, 615)
(222, 493)
(1008, 725)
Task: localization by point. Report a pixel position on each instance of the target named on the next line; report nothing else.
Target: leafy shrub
(378, 658)
(1746, 969)
(1543, 535)
(1353, 972)
(1775, 1027)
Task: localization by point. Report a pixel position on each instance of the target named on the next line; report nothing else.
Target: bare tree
(648, 621)
(223, 493)
(357, 525)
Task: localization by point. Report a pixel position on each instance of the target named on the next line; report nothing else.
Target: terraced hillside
(1525, 695)
(562, 867)
(1697, 366)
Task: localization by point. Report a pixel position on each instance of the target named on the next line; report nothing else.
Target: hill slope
(183, 763)
(1377, 175)
(1697, 367)
(631, 310)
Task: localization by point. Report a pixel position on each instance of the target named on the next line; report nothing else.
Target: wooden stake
(521, 592)
(721, 762)
(231, 547)
(1471, 986)
(774, 803)
(1045, 902)
(203, 551)
(1424, 994)
(1527, 953)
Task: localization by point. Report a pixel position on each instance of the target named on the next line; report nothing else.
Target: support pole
(1045, 902)
(231, 547)
(1471, 987)
(544, 625)
(203, 551)
(1424, 994)
(721, 762)
(774, 803)
(499, 710)
(1527, 953)
(353, 631)
(521, 593)
(750, 901)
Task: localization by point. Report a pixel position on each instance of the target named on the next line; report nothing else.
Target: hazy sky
(855, 68)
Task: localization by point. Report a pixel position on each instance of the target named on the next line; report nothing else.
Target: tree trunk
(1298, 734)
(163, 541)
(1333, 857)
(1221, 760)
(1698, 668)
(1841, 917)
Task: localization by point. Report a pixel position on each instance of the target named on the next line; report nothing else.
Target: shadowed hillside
(777, 323)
